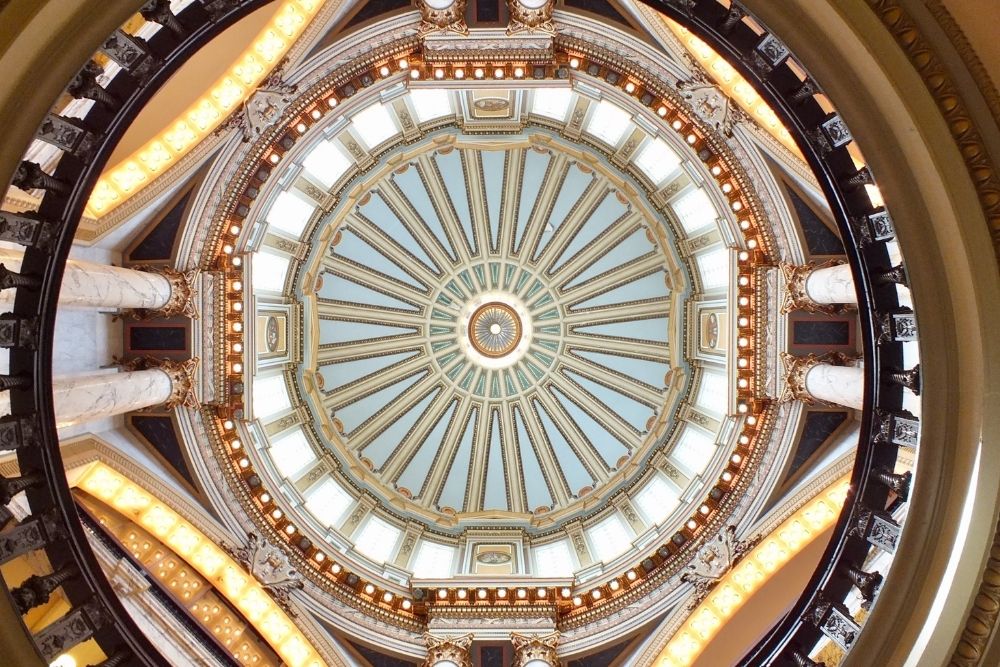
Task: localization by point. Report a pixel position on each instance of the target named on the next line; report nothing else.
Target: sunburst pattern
(493, 328)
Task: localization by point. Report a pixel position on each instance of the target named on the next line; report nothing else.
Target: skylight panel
(695, 210)
(291, 453)
(290, 213)
(551, 102)
(433, 560)
(609, 538)
(326, 163)
(714, 268)
(328, 502)
(657, 499)
(693, 451)
(657, 161)
(270, 396)
(374, 125)
(608, 122)
(712, 392)
(553, 559)
(269, 271)
(377, 539)
(431, 103)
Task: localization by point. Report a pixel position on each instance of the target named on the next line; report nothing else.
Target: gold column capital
(796, 370)
(535, 647)
(530, 19)
(796, 296)
(448, 19)
(182, 295)
(450, 649)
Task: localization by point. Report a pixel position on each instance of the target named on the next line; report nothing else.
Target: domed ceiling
(494, 326)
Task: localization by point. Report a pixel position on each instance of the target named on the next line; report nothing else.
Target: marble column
(144, 383)
(163, 291)
(815, 289)
(831, 284)
(815, 379)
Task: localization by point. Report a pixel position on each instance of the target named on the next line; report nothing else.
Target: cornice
(952, 105)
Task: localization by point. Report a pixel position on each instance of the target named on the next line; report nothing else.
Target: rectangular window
(269, 271)
(374, 125)
(658, 161)
(430, 103)
(433, 561)
(694, 210)
(608, 122)
(291, 453)
(551, 102)
(553, 559)
(693, 451)
(712, 394)
(713, 266)
(377, 539)
(270, 396)
(290, 213)
(328, 502)
(326, 163)
(609, 538)
(656, 500)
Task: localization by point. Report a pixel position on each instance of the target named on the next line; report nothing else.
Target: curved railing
(865, 229)
(85, 144)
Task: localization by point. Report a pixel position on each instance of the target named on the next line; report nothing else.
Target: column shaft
(102, 286)
(81, 398)
(832, 284)
(87, 397)
(842, 385)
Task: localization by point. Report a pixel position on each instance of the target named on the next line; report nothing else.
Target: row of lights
(748, 259)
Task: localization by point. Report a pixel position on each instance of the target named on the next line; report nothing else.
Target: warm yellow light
(746, 578)
(732, 84)
(123, 180)
(206, 558)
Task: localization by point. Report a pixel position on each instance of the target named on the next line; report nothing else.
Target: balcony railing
(140, 67)
(824, 139)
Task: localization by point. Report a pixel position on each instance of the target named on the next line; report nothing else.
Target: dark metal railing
(86, 144)
(865, 229)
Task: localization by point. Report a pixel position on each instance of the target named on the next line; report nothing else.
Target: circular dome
(493, 326)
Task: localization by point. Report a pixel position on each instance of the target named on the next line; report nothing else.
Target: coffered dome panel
(494, 326)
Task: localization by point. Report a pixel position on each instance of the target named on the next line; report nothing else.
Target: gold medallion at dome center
(494, 329)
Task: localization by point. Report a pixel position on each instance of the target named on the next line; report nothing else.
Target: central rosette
(495, 329)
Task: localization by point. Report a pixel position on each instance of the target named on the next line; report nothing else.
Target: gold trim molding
(942, 87)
